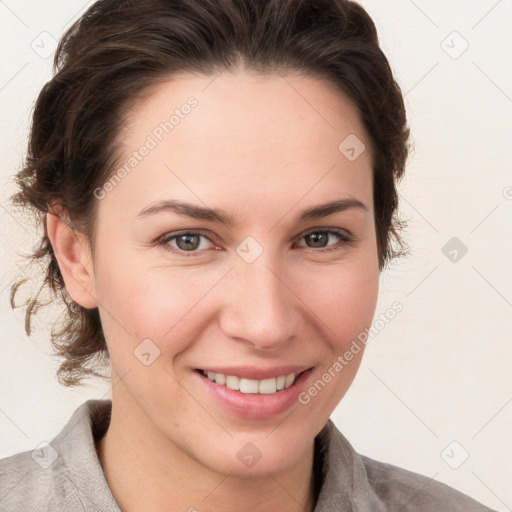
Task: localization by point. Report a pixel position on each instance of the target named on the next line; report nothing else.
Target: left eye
(320, 239)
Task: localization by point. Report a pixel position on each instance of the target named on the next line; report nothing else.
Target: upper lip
(254, 373)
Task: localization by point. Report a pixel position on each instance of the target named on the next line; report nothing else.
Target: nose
(260, 307)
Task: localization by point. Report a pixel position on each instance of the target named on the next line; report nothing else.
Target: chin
(258, 457)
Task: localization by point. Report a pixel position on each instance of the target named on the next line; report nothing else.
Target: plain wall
(435, 381)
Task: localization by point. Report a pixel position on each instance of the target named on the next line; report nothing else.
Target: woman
(217, 182)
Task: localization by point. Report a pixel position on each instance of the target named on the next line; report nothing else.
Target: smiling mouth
(263, 387)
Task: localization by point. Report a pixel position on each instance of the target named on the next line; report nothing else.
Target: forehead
(243, 133)
(235, 103)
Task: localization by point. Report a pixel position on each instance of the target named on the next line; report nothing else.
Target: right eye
(184, 242)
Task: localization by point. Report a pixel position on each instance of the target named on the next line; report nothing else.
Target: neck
(146, 471)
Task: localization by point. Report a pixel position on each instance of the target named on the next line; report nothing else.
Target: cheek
(171, 306)
(163, 305)
(344, 299)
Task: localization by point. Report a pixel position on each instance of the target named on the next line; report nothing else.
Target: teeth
(267, 386)
(289, 380)
(233, 382)
(263, 387)
(248, 386)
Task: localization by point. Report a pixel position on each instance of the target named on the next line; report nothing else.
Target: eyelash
(164, 241)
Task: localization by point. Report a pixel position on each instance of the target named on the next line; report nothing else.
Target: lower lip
(255, 406)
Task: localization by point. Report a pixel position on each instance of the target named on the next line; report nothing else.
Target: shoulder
(63, 474)
(353, 481)
(404, 490)
(28, 482)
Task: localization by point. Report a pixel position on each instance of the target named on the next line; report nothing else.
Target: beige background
(439, 372)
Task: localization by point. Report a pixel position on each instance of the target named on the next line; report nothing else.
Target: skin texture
(263, 149)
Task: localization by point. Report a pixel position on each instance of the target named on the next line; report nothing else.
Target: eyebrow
(213, 215)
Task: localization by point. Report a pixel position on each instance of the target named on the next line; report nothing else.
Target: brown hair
(119, 49)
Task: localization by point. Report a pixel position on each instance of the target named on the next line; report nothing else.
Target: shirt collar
(76, 447)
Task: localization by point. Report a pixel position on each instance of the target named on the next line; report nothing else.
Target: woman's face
(213, 253)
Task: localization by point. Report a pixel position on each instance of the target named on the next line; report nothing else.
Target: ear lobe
(74, 258)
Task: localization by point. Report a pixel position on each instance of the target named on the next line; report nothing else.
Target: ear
(73, 255)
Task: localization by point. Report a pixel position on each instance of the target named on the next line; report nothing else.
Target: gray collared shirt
(66, 475)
